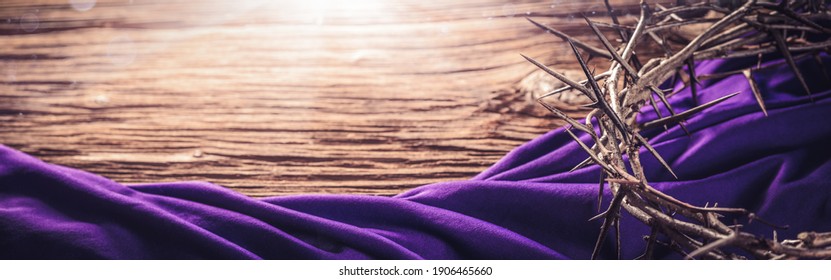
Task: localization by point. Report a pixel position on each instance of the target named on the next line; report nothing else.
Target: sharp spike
(624, 34)
(555, 32)
(657, 110)
(565, 117)
(655, 154)
(606, 44)
(755, 89)
(669, 107)
(597, 217)
(601, 102)
(556, 91)
(607, 222)
(693, 80)
(582, 164)
(783, 47)
(589, 151)
(611, 12)
(567, 87)
(561, 77)
(687, 113)
(592, 105)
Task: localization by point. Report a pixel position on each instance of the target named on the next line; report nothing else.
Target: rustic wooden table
(278, 97)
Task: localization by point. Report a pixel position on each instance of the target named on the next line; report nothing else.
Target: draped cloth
(526, 206)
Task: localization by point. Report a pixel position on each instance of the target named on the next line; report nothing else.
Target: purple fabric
(527, 206)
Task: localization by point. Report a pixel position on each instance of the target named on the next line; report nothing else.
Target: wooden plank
(279, 97)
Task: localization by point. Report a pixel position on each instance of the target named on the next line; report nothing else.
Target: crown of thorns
(735, 29)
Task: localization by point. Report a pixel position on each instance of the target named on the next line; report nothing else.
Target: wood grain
(279, 97)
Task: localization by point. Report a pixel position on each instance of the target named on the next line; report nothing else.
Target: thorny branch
(736, 29)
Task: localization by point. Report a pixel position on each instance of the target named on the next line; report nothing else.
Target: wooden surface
(279, 97)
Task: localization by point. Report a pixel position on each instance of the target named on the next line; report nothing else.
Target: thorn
(565, 117)
(611, 12)
(556, 91)
(610, 215)
(780, 44)
(555, 32)
(606, 44)
(624, 34)
(561, 77)
(755, 89)
(598, 216)
(693, 80)
(592, 105)
(601, 102)
(655, 154)
(582, 164)
(657, 110)
(687, 113)
(567, 87)
(589, 151)
(753, 217)
(669, 107)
